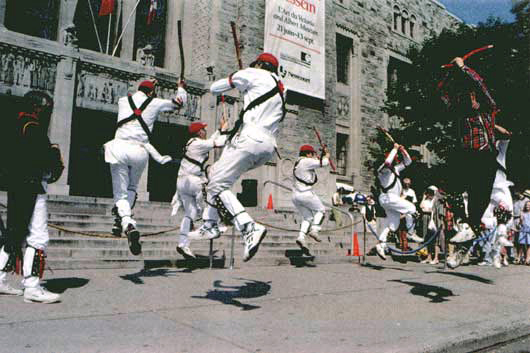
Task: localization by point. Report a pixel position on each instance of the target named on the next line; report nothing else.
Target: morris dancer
(252, 146)
(390, 199)
(129, 151)
(304, 199)
(36, 164)
(192, 177)
(468, 98)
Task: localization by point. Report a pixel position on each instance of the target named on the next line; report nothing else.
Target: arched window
(412, 25)
(397, 15)
(404, 20)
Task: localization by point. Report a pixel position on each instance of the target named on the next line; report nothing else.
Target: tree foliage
(425, 120)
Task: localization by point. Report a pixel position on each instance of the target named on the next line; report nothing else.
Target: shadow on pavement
(189, 265)
(297, 258)
(136, 278)
(380, 268)
(434, 293)
(465, 275)
(251, 289)
(60, 285)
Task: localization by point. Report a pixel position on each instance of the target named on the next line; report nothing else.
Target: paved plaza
(379, 307)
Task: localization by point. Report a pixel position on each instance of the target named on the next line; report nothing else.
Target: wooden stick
(323, 146)
(237, 44)
(471, 53)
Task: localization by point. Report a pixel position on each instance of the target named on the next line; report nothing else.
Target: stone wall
(74, 75)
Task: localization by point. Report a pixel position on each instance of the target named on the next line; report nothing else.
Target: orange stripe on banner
(290, 41)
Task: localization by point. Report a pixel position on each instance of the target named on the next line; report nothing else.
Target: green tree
(425, 120)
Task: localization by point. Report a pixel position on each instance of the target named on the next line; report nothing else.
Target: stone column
(355, 133)
(172, 55)
(2, 12)
(127, 41)
(61, 122)
(66, 17)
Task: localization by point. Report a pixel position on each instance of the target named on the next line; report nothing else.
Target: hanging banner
(295, 34)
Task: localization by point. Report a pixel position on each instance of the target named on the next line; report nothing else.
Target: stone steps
(68, 250)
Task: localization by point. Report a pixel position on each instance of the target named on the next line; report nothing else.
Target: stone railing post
(61, 122)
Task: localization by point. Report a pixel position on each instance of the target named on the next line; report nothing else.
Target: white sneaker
(303, 245)
(503, 241)
(40, 295)
(313, 233)
(505, 262)
(185, 251)
(414, 238)
(380, 250)
(5, 288)
(485, 263)
(497, 262)
(253, 236)
(426, 261)
(205, 232)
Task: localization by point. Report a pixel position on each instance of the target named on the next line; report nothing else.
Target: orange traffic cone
(269, 204)
(355, 245)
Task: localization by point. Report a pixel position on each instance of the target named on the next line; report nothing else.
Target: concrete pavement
(381, 307)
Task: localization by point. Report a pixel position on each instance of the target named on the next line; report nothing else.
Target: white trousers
(127, 163)
(38, 226)
(307, 203)
(394, 207)
(248, 150)
(38, 236)
(189, 189)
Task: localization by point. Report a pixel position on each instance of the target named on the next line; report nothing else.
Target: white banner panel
(295, 34)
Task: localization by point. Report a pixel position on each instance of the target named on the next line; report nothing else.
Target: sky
(475, 11)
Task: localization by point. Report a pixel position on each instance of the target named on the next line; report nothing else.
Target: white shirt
(305, 170)
(411, 193)
(198, 150)
(427, 204)
(133, 130)
(386, 176)
(254, 83)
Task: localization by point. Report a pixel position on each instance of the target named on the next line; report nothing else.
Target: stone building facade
(366, 42)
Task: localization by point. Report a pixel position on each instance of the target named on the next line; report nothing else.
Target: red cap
(196, 127)
(268, 58)
(307, 148)
(147, 84)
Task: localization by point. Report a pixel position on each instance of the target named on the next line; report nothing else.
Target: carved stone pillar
(66, 17)
(61, 122)
(127, 41)
(2, 12)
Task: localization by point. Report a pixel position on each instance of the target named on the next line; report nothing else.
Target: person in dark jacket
(36, 163)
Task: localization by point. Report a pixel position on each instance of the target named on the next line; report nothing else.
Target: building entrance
(169, 139)
(88, 174)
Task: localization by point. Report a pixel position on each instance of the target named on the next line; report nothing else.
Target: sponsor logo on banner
(295, 34)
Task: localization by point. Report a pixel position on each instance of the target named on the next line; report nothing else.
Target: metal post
(211, 253)
(351, 234)
(446, 250)
(232, 248)
(364, 240)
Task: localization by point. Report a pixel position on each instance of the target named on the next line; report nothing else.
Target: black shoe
(133, 236)
(116, 227)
